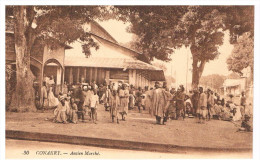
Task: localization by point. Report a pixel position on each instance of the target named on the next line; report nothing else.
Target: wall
(58, 54)
(9, 47)
(75, 75)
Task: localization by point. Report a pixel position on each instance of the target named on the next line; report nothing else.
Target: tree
(214, 81)
(51, 25)
(240, 23)
(162, 29)
(242, 55)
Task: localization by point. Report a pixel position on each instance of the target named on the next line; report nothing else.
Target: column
(107, 76)
(90, 74)
(70, 75)
(134, 77)
(58, 75)
(130, 75)
(84, 73)
(77, 79)
(95, 74)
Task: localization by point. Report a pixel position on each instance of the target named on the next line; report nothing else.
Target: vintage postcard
(120, 81)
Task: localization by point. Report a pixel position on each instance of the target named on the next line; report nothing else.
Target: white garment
(93, 101)
(238, 115)
(53, 101)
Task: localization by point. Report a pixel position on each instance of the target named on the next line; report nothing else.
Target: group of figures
(47, 94)
(81, 101)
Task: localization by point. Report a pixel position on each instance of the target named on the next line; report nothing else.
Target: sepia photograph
(129, 81)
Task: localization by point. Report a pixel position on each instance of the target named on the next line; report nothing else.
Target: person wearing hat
(60, 112)
(124, 100)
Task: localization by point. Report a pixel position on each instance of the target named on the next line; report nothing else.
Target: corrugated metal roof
(108, 63)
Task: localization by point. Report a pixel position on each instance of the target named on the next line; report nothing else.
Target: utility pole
(187, 71)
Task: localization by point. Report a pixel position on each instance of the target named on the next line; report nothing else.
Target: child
(93, 105)
(73, 111)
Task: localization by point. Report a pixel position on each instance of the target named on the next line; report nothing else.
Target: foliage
(239, 20)
(49, 25)
(214, 81)
(161, 29)
(56, 25)
(242, 55)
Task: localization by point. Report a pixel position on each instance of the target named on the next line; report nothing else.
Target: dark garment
(243, 101)
(195, 101)
(180, 108)
(180, 100)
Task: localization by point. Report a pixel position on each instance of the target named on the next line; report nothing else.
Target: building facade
(110, 63)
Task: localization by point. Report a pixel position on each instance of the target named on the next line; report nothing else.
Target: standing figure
(44, 96)
(148, 100)
(114, 103)
(124, 100)
(159, 104)
(86, 104)
(131, 100)
(210, 104)
(73, 111)
(106, 97)
(243, 102)
(94, 100)
(202, 107)
(53, 101)
(195, 101)
(180, 98)
(138, 95)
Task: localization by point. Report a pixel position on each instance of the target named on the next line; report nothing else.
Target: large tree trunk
(197, 70)
(23, 97)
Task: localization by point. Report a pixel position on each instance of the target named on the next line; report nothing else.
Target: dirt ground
(138, 127)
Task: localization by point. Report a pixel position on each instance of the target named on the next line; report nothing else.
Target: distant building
(234, 86)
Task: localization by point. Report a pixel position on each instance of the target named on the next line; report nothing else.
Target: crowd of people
(81, 101)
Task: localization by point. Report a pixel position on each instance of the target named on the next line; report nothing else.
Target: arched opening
(53, 68)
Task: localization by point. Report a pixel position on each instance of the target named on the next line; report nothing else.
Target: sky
(177, 67)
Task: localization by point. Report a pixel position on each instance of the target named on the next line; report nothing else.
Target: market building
(112, 62)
